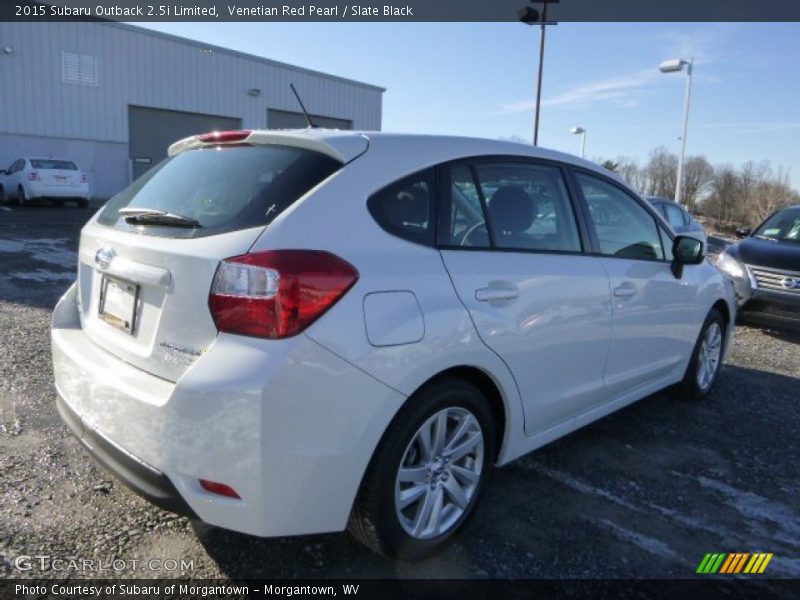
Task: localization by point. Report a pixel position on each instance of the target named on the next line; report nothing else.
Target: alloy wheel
(709, 356)
(439, 473)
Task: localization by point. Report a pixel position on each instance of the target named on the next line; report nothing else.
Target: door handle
(625, 291)
(494, 294)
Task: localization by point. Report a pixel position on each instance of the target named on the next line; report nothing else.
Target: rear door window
(467, 222)
(222, 188)
(511, 205)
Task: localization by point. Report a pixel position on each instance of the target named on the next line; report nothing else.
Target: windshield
(45, 164)
(220, 188)
(783, 226)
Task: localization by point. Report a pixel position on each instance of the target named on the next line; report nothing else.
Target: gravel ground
(643, 493)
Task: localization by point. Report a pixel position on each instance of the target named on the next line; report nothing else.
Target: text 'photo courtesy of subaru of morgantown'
(294, 332)
(765, 269)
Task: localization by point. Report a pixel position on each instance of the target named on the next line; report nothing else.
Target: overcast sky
(479, 79)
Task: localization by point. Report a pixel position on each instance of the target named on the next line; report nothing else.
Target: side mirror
(743, 232)
(686, 250)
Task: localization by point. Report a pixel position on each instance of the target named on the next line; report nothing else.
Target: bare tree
(660, 172)
(698, 174)
(748, 195)
(727, 195)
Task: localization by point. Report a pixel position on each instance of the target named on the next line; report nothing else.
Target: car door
(653, 311)
(513, 247)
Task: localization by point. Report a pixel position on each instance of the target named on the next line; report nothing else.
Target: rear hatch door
(144, 280)
(57, 173)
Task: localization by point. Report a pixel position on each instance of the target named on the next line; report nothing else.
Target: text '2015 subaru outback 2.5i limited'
(298, 332)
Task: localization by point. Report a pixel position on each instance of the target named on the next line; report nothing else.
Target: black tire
(83, 203)
(2, 195)
(374, 520)
(690, 388)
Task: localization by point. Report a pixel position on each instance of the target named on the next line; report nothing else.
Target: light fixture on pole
(578, 130)
(530, 16)
(674, 66)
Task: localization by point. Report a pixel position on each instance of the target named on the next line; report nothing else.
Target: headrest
(512, 209)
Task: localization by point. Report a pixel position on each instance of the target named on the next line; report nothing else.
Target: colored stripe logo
(734, 562)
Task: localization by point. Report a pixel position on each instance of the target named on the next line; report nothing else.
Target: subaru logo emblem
(790, 283)
(103, 257)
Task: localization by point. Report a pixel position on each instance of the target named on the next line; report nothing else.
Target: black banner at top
(400, 10)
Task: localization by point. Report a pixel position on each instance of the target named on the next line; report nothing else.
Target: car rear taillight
(84, 178)
(33, 176)
(224, 137)
(277, 293)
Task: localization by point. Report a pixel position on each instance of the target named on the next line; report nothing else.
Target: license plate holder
(118, 301)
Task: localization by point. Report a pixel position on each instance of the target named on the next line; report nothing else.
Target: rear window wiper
(151, 216)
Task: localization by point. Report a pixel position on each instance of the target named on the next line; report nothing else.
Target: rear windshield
(47, 163)
(222, 188)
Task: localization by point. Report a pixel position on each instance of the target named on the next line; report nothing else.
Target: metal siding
(152, 130)
(141, 68)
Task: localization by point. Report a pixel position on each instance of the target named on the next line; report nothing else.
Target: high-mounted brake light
(277, 293)
(33, 176)
(223, 137)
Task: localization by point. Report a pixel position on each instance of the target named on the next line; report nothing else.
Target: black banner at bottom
(461, 589)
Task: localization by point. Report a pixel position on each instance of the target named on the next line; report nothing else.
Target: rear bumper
(287, 424)
(37, 190)
(141, 478)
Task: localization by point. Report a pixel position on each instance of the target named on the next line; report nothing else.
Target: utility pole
(530, 16)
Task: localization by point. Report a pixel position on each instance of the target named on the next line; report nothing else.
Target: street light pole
(672, 66)
(539, 78)
(687, 100)
(582, 132)
(530, 16)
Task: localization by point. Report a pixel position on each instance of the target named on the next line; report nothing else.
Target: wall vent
(80, 69)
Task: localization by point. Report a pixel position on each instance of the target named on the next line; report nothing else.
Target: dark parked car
(765, 269)
(677, 216)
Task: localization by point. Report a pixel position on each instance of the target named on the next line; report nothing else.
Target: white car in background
(52, 179)
(297, 332)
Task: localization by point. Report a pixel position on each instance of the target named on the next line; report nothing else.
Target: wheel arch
(488, 387)
(723, 308)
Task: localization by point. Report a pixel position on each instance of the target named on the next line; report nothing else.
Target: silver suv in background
(677, 216)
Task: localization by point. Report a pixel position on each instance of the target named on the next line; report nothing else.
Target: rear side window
(223, 188)
(61, 165)
(404, 208)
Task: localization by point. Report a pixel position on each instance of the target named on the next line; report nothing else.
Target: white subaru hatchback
(297, 332)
